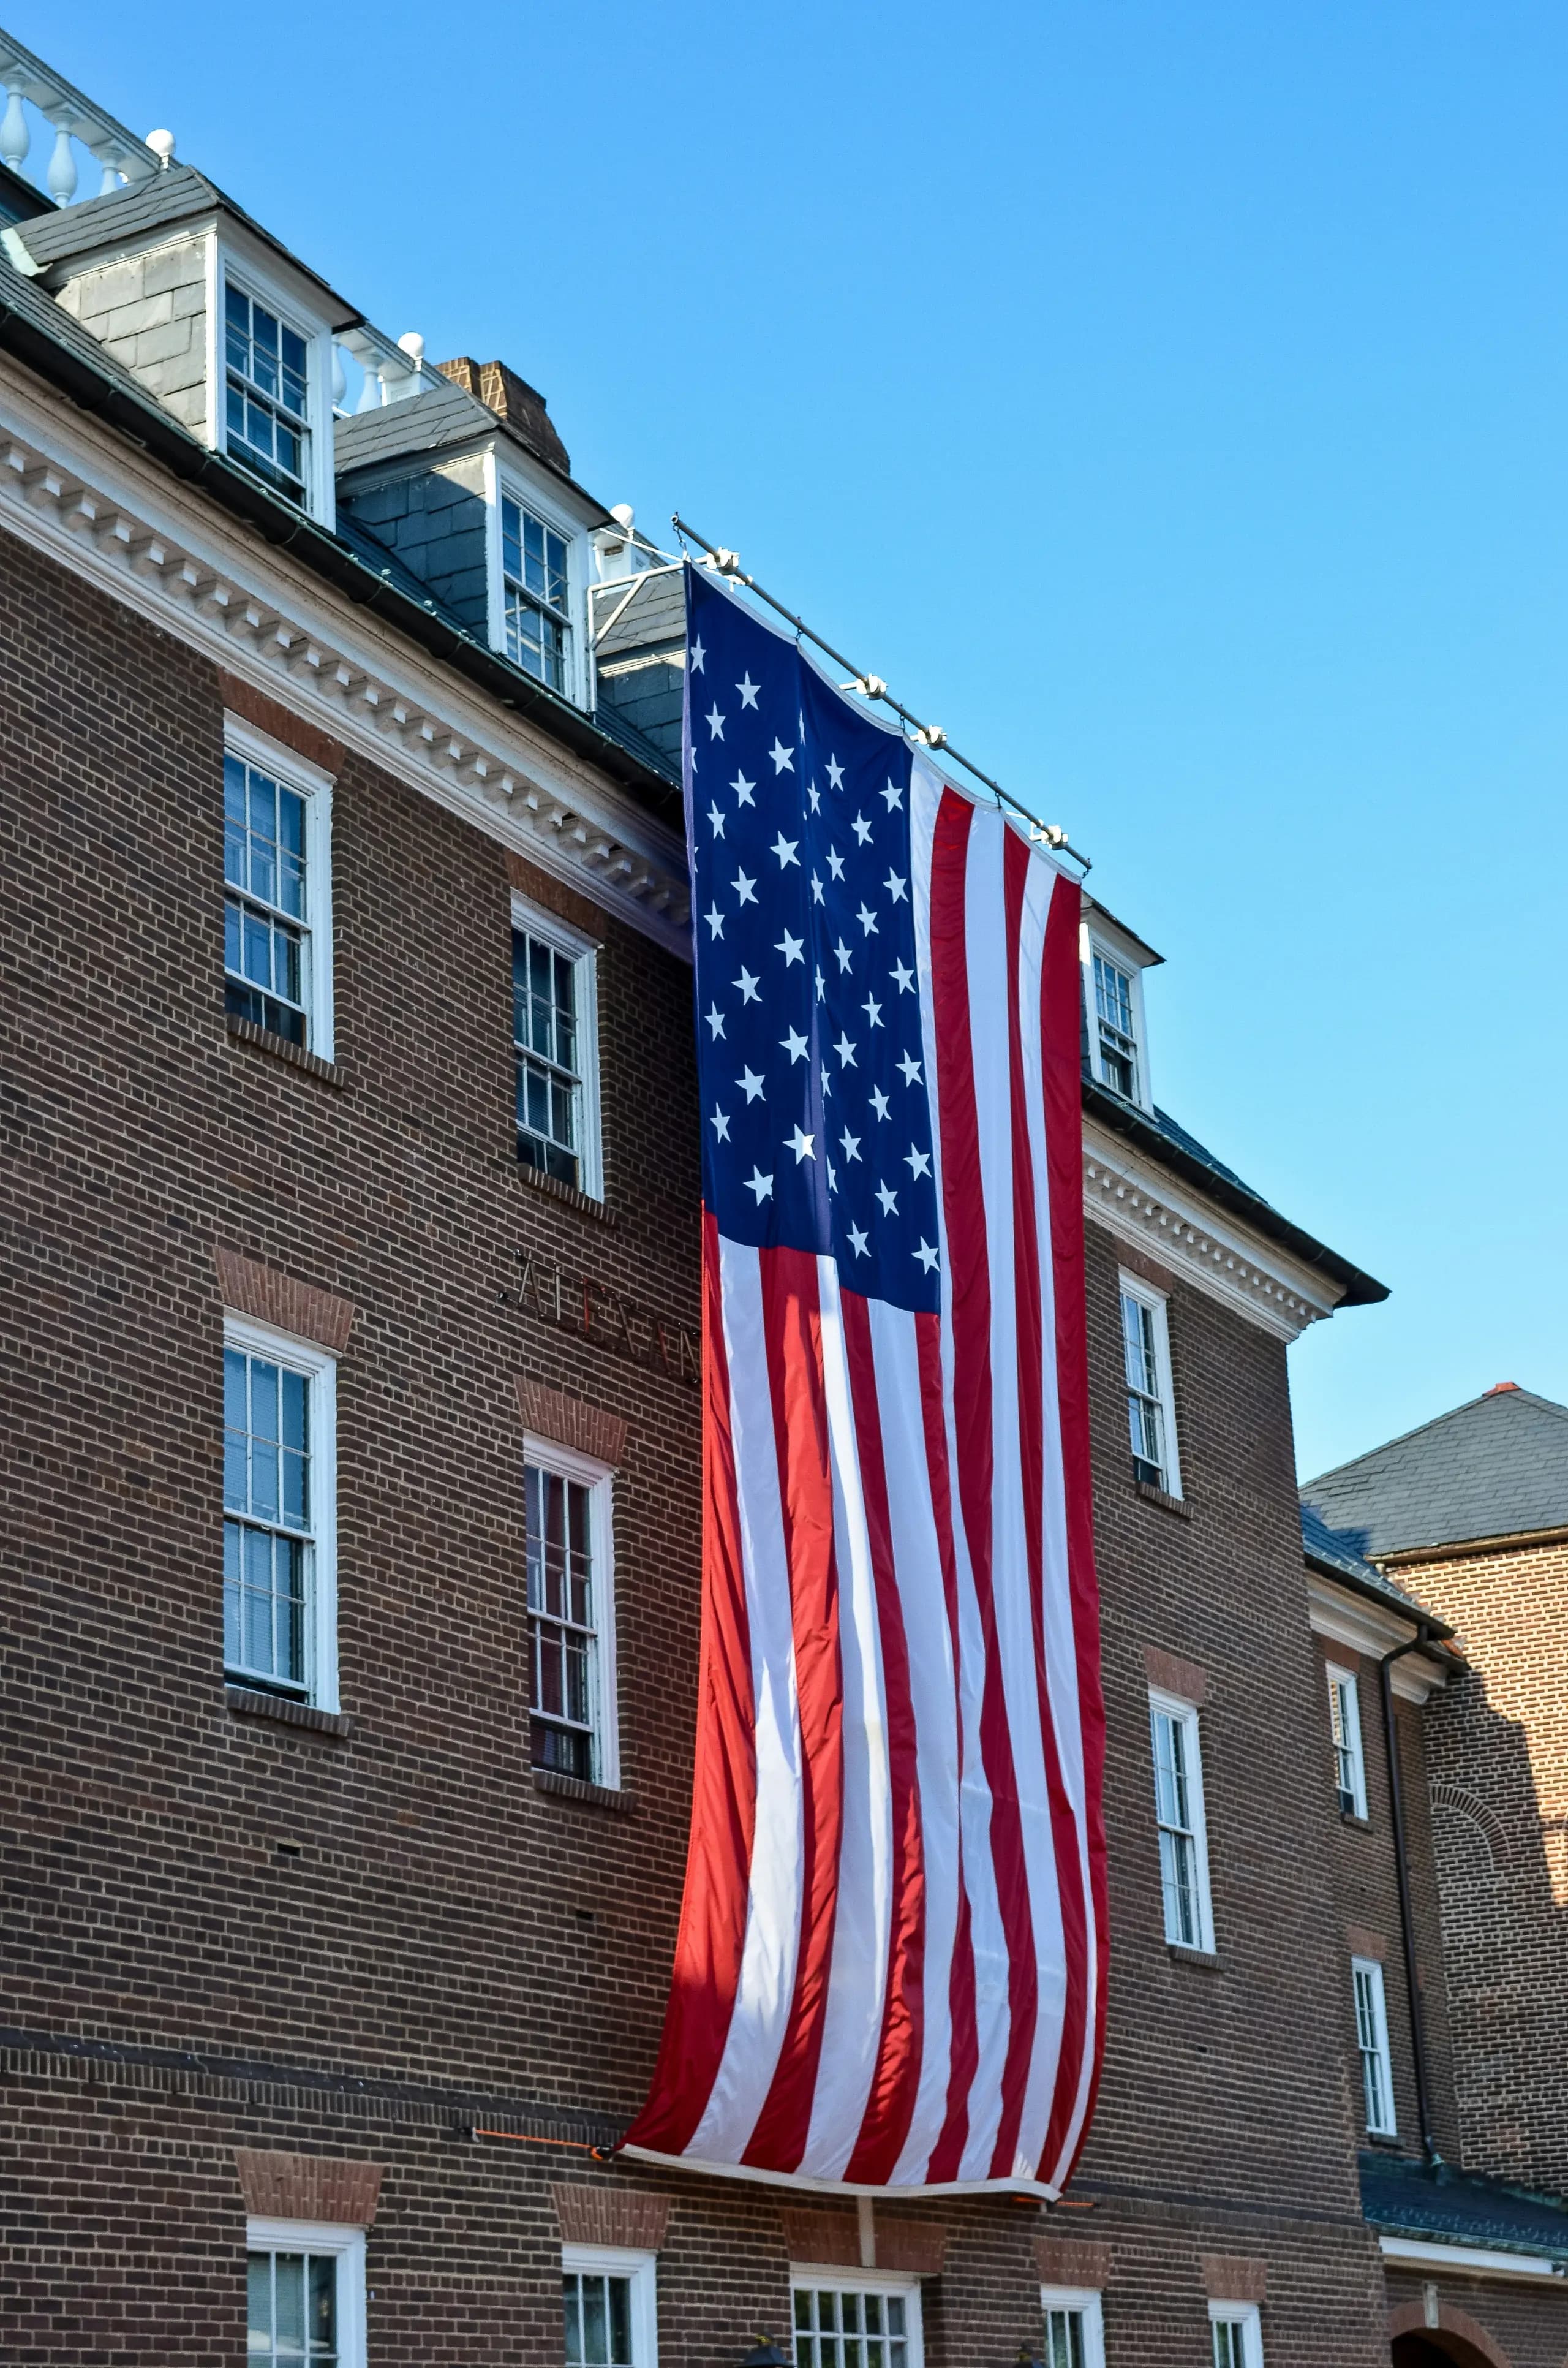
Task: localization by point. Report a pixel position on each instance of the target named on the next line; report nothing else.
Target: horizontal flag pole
(872, 686)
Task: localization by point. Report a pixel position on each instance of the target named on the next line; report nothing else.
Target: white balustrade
(389, 372)
(75, 123)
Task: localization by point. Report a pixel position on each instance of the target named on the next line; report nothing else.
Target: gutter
(1401, 1867)
(287, 529)
(1357, 1289)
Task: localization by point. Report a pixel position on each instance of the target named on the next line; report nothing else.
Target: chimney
(512, 399)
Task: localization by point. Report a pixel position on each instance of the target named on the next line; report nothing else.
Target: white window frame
(1185, 1714)
(582, 951)
(1368, 1971)
(811, 2278)
(598, 1478)
(320, 1367)
(1132, 1286)
(347, 2247)
(1086, 2300)
(505, 482)
(314, 785)
(613, 2262)
(1345, 1710)
(224, 265)
(1093, 942)
(1245, 2316)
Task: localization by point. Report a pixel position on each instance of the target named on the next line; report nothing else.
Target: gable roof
(1334, 1553)
(1496, 1467)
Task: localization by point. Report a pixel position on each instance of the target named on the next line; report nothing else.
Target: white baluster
(15, 137)
(371, 395)
(112, 175)
(340, 382)
(61, 179)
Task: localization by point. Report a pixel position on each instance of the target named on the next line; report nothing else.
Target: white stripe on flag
(768, 1954)
(852, 2019)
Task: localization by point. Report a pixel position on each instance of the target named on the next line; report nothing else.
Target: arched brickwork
(1410, 2319)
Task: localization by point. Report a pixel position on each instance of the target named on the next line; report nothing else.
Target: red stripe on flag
(713, 1906)
(969, 1284)
(1060, 987)
(890, 2105)
(1017, 860)
(791, 1323)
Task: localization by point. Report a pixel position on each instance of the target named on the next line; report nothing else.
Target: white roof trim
(1466, 2260)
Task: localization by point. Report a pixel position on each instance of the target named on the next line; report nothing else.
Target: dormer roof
(67, 236)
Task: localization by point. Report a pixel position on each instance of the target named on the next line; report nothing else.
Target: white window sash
(347, 2247)
(566, 1464)
(1244, 2315)
(1183, 1714)
(224, 265)
(805, 2278)
(641, 2269)
(320, 1367)
(501, 484)
(1085, 2301)
(1344, 1728)
(582, 951)
(1372, 2046)
(1132, 1287)
(1089, 945)
(309, 781)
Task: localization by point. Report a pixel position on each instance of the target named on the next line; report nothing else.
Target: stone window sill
(262, 1040)
(247, 1702)
(584, 1203)
(1161, 1497)
(576, 1788)
(1353, 1817)
(1205, 1960)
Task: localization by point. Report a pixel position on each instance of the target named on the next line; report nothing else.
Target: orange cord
(578, 2145)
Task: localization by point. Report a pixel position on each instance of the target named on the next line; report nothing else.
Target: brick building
(1469, 1516)
(351, 1592)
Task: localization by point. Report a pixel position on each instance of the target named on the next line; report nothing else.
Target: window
(555, 1038)
(845, 2322)
(571, 1698)
(304, 2295)
(1074, 2332)
(1372, 2040)
(1151, 1411)
(1237, 2335)
(276, 935)
(1115, 1007)
(280, 1452)
(536, 594)
(1178, 1812)
(610, 2301)
(266, 394)
(1345, 1725)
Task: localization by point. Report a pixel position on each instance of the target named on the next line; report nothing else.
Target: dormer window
(1114, 1005)
(266, 394)
(536, 593)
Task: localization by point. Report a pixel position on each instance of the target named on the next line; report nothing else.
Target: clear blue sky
(1170, 397)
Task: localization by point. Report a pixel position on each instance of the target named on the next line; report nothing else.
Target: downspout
(1402, 1863)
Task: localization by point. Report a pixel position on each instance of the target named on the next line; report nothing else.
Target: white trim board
(1466, 2260)
(1341, 1618)
(73, 491)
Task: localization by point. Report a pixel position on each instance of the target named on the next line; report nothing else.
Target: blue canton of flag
(816, 1114)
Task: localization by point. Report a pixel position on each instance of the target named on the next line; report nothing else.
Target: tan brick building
(349, 1594)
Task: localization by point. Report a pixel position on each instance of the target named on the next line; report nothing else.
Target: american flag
(891, 1964)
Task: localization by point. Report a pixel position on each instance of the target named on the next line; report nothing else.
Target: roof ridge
(1433, 1422)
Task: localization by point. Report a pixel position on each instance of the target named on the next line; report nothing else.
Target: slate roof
(1436, 2205)
(1495, 1467)
(438, 416)
(654, 618)
(1332, 1551)
(179, 194)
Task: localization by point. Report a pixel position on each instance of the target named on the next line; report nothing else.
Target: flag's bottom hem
(913, 2190)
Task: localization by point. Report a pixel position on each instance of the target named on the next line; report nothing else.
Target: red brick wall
(1497, 1752)
(245, 1935)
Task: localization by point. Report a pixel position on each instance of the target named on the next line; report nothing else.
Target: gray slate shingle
(1492, 1468)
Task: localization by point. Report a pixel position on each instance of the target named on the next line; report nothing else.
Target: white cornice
(1141, 1202)
(1342, 1617)
(88, 499)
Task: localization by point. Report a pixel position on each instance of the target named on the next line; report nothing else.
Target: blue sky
(1169, 399)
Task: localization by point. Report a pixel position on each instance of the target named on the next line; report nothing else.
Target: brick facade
(272, 1955)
